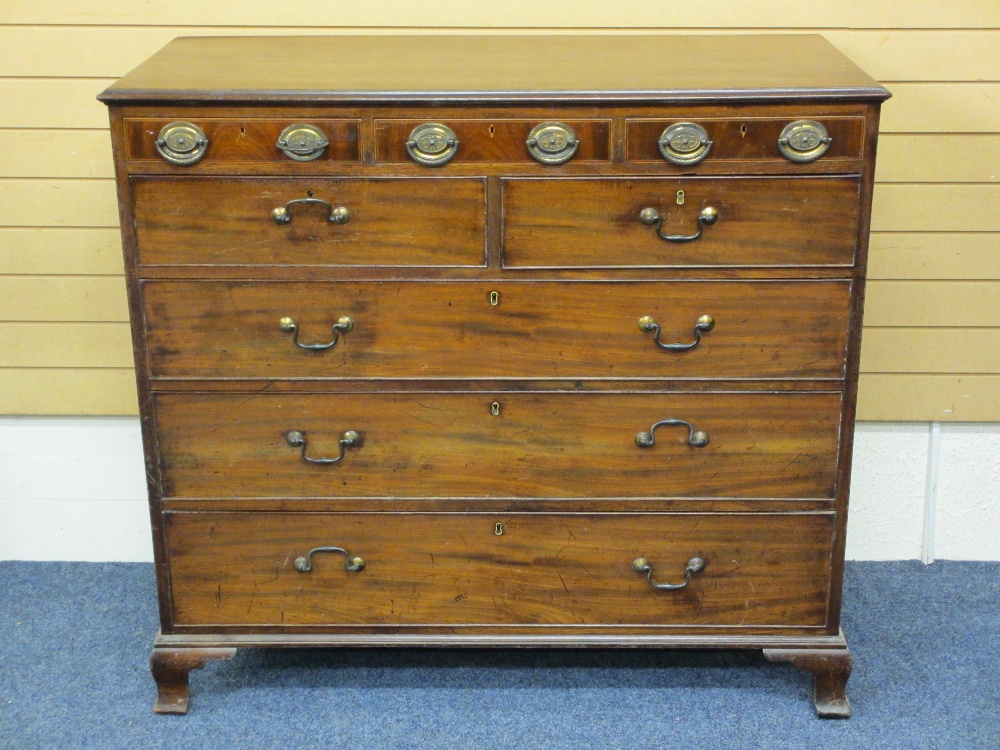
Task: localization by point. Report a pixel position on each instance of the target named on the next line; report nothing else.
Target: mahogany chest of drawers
(497, 341)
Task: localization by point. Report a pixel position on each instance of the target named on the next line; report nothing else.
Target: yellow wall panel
(515, 13)
(56, 153)
(50, 250)
(938, 158)
(70, 298)
(916, 14)
(640, 14)
(936, 208)
(52, 103)
(891, 56)
(942, 108)
(939, 350)
(65, 345)
(58, 203)
(58, 391)
(953, 304)
(923, 255)
(929, 398)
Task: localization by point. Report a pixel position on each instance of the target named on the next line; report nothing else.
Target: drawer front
(743, 139)
(762, 329)
(762, 221)
(246, 140)
(543, 569)
(535, 445)
(496, 141)
(391, 222)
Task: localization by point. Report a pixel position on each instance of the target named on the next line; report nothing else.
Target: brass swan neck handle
(297, 439)
(696, 438)
(353, 564)
(289, 325)
(642, 566)
(651, 217)
(704, 324)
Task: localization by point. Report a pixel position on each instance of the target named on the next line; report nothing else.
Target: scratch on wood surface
(562, 581)
(421, 419)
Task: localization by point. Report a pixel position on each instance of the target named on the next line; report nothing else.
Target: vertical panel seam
(930, 492)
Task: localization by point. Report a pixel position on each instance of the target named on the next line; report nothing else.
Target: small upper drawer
(680, 221)
(311, 221)
(688, 142)
(498, 141)
(242, 140)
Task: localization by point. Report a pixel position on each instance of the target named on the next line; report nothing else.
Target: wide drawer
(389, 222)
(762, 329)
(761, 221)
(511, 444)
(455, 569)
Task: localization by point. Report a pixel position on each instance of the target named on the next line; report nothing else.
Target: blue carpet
(75, 638)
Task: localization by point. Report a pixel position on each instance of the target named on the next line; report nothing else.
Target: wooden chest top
(651, 68)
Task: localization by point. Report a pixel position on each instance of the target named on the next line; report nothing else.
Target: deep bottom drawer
(540, 569)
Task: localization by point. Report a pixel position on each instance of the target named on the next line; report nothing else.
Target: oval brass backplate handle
(304, 564)
(696, 438)
(704, 324)
(642, 566)
(349, 439)
(651, 217)
(343, 325)
(338, 215)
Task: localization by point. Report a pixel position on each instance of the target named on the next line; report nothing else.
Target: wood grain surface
(762, 221)
(540, 445)
(537, 329)
(543, 569)
(394, 222)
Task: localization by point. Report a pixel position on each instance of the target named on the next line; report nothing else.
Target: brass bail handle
(651, 217)
(343, 325)
(704, 324)
(336, 215)
(696, 438)
(642, 566)
(304, 564)
(297, 439)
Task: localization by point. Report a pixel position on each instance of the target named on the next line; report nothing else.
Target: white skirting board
(73, 488)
